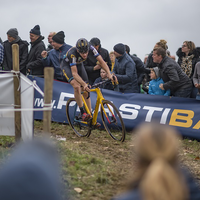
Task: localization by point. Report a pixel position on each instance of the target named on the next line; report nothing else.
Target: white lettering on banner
(164, 116)
(126, 107)
(150, 112)
(40, 102)
(61, 101)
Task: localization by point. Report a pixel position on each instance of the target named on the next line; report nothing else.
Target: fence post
(48, 91)
(17, 91)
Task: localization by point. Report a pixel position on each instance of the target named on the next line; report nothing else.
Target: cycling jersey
(73, 58)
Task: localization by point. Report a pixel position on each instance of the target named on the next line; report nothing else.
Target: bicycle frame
(99, 100)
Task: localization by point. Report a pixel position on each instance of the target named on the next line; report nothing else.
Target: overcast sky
(138, 23)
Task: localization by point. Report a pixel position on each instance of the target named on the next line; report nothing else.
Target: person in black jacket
(91, 65)
(141, 70)
(173, 76)
(13, 38)
(34, 64)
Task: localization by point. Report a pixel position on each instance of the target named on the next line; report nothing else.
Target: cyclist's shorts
(66, 69)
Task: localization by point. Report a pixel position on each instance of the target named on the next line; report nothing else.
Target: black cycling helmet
(82, 45)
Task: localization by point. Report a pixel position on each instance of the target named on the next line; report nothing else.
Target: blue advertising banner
(182, 113)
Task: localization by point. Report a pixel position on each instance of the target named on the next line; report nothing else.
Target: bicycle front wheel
(80, 128)
(112, 121)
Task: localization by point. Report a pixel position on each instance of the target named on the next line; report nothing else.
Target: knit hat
(13, 33)
(156, 70)
(59, 37)
(119, 48)
(36, 30)
(95, 41)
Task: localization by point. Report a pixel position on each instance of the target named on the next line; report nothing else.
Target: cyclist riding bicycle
(75, 72)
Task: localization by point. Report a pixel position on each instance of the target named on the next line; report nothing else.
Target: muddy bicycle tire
(72, 112)
(114, 125)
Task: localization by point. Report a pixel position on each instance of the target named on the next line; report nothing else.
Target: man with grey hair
(13, 38)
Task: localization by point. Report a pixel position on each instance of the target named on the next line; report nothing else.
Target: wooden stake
(17, 91)
(48, 91)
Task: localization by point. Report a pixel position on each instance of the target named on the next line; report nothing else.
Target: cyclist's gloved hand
(86, 88)
(115, 80)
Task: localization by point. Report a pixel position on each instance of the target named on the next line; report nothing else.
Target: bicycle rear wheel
(80, 128)
(112, 121)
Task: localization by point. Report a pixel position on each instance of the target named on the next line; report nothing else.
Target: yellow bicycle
(110, 116)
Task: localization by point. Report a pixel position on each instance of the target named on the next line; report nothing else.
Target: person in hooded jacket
(92, 65)
(13, 38)
(188, 56)
(34, 63)
(156, 80)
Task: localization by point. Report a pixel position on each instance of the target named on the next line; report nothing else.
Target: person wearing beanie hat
(95, 41)
(13, 34)
(55, 56)
(35, 30)
(91, 65)
(119, 48)
(59, 37)
(13, 38)
(125, 70)
(34, 65)
(155, 82)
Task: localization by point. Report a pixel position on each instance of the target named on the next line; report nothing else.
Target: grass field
(97, 167)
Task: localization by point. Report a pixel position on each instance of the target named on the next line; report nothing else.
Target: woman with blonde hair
(157, 174)
(188, 56)
(112, 58)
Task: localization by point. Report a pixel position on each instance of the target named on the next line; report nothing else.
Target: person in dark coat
(91, 65)
(56, 55)
(173, 76)
(158, 173)
(34, 63)
(13, 38)
(141, 70)
(125, 70)
(1, 55)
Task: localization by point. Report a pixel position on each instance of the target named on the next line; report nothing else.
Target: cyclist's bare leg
(88, 101)
(77, 92)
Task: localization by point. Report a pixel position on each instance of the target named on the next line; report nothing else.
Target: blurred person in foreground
(158, 174)
(31, 173)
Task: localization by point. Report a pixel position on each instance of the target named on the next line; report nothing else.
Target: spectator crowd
(158, 74)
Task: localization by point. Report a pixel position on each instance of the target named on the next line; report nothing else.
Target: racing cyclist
(75, 72)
